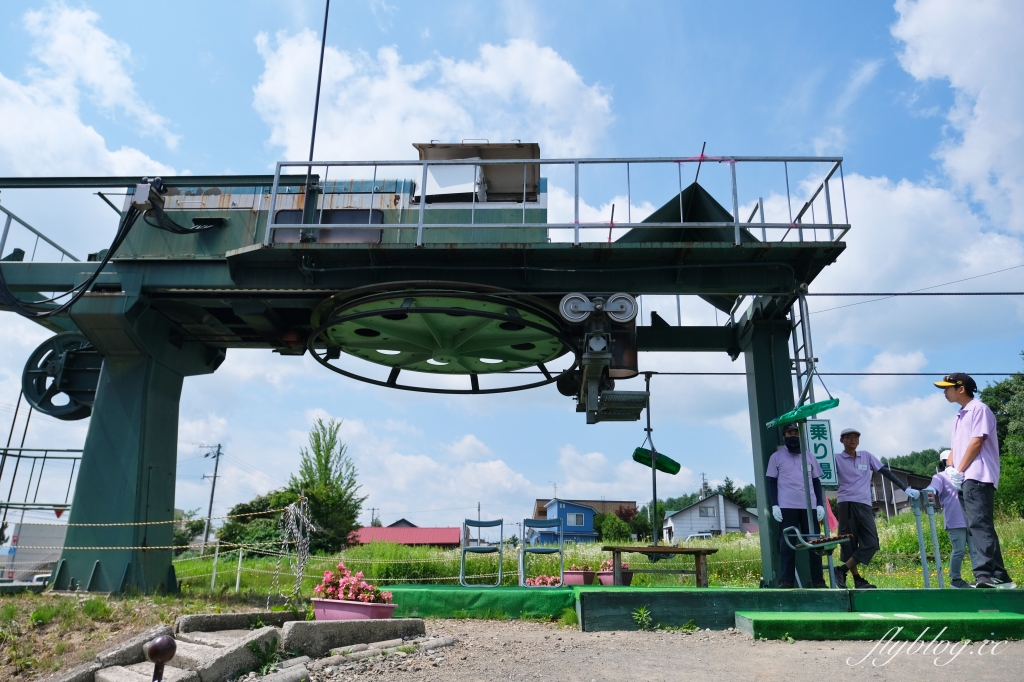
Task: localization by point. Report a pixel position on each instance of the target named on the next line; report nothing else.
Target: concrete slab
(231, 660)
(191, 656)
(218, 639)
(171, 673)
(130, 651)
(296, 673)
(81, 673)
(316, 638)
(117, 673)
(212, 622)
(301, 660)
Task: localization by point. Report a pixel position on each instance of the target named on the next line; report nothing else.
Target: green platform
(444, 601)
(914, 600)
(611, 608)
(873, 625)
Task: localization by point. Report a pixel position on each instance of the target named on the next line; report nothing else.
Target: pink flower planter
(608, 578)
(579, 577)
(339, 609)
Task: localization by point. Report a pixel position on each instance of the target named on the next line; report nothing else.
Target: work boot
(860, 584)
(841, 572)
(959, 583)
(819, 585)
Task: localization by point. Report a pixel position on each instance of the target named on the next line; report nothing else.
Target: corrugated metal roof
(408, 536)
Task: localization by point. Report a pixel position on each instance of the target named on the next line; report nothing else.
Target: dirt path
(514, 650)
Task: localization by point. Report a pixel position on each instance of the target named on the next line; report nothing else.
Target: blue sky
(934, 179)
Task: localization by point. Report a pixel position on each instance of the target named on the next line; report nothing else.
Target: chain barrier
(151, 523)
(296, 527)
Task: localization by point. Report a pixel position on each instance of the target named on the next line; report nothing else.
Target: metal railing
(40, 457)
(12, 218)
(796, 224)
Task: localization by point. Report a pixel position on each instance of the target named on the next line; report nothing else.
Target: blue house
(577, 522)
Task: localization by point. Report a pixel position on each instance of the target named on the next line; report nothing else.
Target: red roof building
(434, 537)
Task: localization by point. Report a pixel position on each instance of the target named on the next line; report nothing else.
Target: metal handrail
(37, 233)
(796, 224)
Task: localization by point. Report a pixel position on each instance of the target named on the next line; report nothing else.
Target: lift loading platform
(368, 274)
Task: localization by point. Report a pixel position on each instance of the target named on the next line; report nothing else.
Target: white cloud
(43, 133)
(976, 47)
(383, 13)
(375, 108)
(562, 209)
(202, 431)
(859, 79)
(469, 448)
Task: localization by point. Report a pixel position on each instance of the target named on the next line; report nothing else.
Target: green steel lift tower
(404, 283)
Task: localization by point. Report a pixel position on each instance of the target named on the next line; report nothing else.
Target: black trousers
(978, 502)
(858, 520)
(787, 555)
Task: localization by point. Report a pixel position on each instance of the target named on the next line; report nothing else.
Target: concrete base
(317, 638)
(212, 622)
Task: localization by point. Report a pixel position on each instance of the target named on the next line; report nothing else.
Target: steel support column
(769, 394)
(130, 456)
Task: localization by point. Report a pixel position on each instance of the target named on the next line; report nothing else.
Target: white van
(698, 536)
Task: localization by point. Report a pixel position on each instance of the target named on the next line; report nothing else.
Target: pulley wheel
(60, 376)
(573, 308)
(621, 308)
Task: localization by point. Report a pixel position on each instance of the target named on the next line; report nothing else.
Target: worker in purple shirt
(953, 519)
(854, 469)
(789, 506)
(975, 473)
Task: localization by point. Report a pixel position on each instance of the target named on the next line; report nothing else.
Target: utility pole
(213, 488)
(372, 515)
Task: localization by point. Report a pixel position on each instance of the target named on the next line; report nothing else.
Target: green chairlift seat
(560, 551)
(481, 549)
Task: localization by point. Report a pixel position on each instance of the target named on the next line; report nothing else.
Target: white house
(713, 514)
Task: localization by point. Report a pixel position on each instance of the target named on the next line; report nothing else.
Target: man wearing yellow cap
(975, 473)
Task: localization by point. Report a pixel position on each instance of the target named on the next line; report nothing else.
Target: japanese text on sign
(819, 431)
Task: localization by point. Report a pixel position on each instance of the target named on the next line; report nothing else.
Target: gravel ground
(515, 650)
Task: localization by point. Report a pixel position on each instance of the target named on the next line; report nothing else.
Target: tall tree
(327, 477)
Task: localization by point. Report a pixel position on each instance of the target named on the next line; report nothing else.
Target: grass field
(736, 564)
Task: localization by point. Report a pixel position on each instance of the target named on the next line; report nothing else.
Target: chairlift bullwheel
(60, 376)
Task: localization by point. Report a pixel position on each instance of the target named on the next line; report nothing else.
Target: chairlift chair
(542, 523)
(478, 549)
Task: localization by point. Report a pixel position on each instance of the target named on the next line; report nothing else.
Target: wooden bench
(699, 554)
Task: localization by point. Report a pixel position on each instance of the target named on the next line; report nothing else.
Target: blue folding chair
(489, 549)
(542, 523)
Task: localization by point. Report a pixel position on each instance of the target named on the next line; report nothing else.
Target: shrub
(97, 609)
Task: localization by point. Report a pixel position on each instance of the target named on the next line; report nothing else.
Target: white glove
(777, 513)
(821, 513)
(958, 479)
(912, 494)
(950, 471)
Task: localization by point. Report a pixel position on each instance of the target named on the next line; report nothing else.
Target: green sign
(662, 463)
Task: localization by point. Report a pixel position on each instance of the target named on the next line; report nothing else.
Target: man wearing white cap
(854, 468)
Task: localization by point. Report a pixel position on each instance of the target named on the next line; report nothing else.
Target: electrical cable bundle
(164, 222)
(49, 307)
(149, 207)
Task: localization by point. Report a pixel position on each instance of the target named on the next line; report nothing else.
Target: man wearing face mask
(788, 469)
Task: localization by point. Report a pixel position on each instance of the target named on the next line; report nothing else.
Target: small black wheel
(60, 376)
